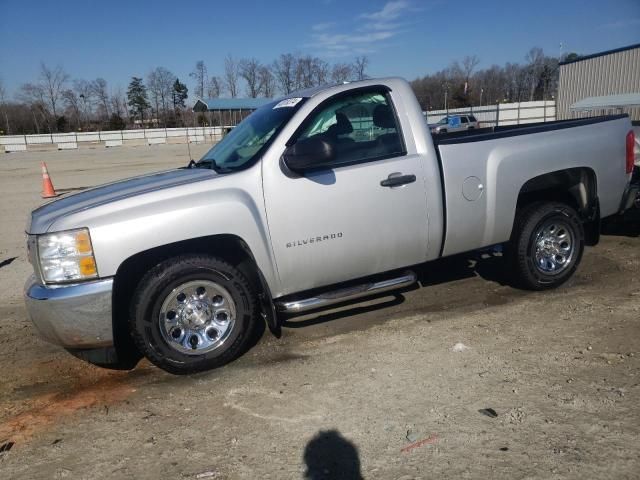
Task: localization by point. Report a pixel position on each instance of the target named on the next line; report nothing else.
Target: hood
(43, 217)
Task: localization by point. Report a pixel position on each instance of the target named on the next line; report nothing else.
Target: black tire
(160, 282)
(521, 251)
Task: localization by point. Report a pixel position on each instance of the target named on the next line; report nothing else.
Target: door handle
(396, 179)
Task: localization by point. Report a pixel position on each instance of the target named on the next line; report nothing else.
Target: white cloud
(319, 27)
(390, 11)
(364, 34)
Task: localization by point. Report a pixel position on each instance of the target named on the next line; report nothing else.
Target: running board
(346, 294)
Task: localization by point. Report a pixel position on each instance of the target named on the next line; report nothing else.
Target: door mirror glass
(309, 153)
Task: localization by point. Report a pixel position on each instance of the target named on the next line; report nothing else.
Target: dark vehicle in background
(454, 123)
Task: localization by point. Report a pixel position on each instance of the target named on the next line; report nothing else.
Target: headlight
(66, 256)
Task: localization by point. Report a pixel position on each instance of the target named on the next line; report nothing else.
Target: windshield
(443, 121)
(245, 143)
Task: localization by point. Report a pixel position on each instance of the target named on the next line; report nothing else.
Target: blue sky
(117, 39)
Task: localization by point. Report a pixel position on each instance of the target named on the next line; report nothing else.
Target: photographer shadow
(329, 455)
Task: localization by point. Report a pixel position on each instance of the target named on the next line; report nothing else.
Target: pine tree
(137, 98)
(180, 92)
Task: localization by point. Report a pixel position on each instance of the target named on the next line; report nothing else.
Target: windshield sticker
(288, 102)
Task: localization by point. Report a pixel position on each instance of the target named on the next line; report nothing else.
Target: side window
(464, 120)
(360, 127)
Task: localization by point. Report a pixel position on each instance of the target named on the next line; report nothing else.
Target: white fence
(503, 113)
(152, 134)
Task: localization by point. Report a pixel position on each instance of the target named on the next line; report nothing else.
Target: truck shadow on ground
(489, 266)
(627, 225)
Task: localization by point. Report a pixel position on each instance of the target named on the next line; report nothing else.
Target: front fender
(229, 204)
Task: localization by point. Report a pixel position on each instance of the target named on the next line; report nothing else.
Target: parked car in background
(454, 123)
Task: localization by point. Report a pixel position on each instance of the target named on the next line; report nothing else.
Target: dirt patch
(49, 408)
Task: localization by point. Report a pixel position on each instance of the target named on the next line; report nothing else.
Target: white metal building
(613, 72)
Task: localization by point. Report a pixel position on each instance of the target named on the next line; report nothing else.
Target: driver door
(351, 219)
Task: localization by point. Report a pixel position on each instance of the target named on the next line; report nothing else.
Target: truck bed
(484, 170)
(490, 133)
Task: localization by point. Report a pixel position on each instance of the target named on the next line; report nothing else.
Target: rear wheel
(193, 313)
(546, 245)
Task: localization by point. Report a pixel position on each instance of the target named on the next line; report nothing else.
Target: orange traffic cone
(47, 187)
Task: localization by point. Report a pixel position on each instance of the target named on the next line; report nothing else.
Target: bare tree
(535, 80)
(166, 79)
(305, 72)
(535, 59)
(341, 72)
(231, 74)
(199, 75)
(284, 69)
(83, 91)
(99, 91)
(249, 70)
(3, 106)
(74, 107)
(469, 63)
(153, 90)
(320, 71)
(53, 82)
(360, 65)
(214, 89)
(34, 96)
(160, 85)
(516, 80)
(267, 81)
(119, 103)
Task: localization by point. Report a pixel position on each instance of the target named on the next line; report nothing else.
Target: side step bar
(346, 294)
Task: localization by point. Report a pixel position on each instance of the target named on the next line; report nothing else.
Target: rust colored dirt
(52, 408)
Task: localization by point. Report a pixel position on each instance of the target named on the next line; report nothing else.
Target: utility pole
(446, 95)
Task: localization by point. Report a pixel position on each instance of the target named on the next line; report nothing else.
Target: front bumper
(75, 316)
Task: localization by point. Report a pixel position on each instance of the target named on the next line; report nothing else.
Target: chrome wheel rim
(554, 247)
(197, 317)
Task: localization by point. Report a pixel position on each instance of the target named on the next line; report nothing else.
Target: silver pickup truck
(318, 198)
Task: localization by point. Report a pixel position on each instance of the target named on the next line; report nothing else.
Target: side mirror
(309, 153)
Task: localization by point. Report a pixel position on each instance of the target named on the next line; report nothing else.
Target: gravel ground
(396, 388)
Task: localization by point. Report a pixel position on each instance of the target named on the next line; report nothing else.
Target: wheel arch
(228, 247)
(576, 187)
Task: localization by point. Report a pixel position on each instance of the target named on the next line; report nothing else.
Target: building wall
(608, 74)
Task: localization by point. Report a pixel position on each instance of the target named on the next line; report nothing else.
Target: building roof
(600, 54)
(205, 104)
(607, 101)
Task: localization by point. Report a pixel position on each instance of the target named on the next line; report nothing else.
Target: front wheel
(546, 245)
(193, 313)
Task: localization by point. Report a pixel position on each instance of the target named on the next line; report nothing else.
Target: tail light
(631, 140)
